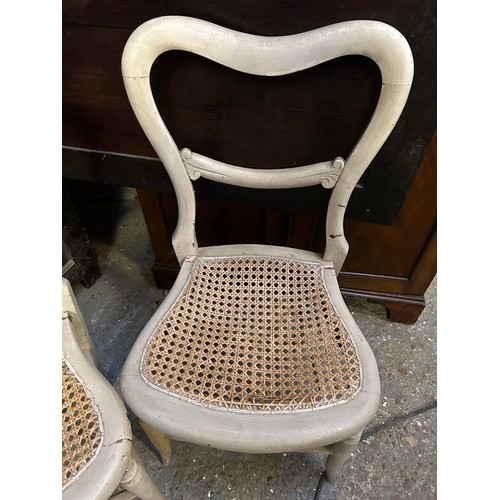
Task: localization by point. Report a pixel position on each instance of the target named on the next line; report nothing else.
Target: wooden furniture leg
(138, 481)
(80, 262)
(339, 453)
(160, 441)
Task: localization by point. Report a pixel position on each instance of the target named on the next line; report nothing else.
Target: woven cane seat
(254, 333)
(98, 461)
(81, 428)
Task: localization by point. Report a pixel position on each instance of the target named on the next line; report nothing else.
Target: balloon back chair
(98, 460)
(253, 349)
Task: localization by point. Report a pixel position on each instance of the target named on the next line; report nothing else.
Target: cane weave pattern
(254, 333)
(81, 432)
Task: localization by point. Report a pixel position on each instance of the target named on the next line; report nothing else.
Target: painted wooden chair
(98, 459)
(254, 349)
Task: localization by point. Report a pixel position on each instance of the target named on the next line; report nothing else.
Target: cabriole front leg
(159, 440)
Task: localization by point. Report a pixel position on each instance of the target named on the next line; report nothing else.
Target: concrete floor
(396, 457)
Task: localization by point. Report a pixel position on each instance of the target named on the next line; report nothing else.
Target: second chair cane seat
(98, 459)
(82, 427)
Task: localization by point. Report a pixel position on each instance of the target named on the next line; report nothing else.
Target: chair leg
(160, 441)
(138, 481)
(339, 453)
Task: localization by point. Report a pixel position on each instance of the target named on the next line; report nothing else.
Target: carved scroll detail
(324, 173)
(329, 181)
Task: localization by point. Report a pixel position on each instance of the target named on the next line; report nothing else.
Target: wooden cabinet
(389, 264)
(264, 123)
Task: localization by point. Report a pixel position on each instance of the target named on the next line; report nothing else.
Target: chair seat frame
(252, 432)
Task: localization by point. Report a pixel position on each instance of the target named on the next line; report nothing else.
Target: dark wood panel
(265, 122)
(279, 17)
(118, 169)
(405, 239)
(391, 224)
(96, 114)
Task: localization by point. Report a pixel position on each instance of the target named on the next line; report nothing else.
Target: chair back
(267, 56)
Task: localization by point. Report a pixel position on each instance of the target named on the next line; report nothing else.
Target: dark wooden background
(264, 123)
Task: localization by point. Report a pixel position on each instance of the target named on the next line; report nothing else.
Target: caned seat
(82, 430)
(254, 333)
(254, 349)
(98, 461)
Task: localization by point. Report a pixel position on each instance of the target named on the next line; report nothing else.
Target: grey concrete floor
(396, 457)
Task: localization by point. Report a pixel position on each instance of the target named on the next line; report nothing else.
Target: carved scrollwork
(329, 182)
(325, 173)
(193, 172)
(331, 179)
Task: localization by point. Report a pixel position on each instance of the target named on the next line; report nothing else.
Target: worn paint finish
(264, 56)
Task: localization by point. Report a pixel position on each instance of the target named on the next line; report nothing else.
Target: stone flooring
(396, 457)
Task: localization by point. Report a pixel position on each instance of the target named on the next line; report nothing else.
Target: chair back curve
(267, 56)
